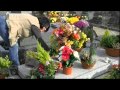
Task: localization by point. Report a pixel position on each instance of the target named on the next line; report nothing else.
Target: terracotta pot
(67, 70)
(112, 52)
(87, 66)
(78, 49)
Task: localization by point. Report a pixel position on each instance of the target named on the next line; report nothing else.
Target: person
(15, 26)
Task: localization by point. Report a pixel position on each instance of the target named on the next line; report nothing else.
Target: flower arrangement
(47, 67)
(68, 56)
(79, 39)
(59, 37)
(67, 35)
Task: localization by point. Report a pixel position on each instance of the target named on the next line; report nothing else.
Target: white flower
(75, 32)
(47, 63)
(61, 48)
(75, 53)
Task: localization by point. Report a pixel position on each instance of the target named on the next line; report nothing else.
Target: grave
(102, 66)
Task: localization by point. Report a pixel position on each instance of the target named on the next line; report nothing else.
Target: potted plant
(5, 63)
(88, 58)
(68, 56)
(111, 44)
(47, 66)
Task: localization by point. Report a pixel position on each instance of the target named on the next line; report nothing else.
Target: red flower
(65, 57)
(59, 32)
(41, 68)
(66, 52)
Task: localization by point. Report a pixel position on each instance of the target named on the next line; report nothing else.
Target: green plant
(114, 73)
(5, 63)
(41, 55)
(108, 40)
(88, 56)
(47, 67)
(44, 72)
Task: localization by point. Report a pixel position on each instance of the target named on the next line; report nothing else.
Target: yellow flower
(69, 43)
(72, 20)
(81, 43)
(84, 35)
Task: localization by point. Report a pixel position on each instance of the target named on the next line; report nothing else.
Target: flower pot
(67, 70)
(87, 66)
(112, 52)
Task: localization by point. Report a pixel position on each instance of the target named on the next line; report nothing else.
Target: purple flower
(81, 24)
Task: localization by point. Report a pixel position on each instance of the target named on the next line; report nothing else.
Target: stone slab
(80, 73)
(24, 71)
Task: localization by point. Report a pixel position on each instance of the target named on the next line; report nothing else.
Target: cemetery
(83, 45)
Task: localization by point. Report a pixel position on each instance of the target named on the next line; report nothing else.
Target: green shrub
(108, 40)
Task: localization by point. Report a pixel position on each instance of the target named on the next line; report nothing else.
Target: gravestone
(26, 44)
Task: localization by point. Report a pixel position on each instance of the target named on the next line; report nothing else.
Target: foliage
(88, 56)
(44, 72)
(5, 62)
(114, 73)
(41, 55)
(108, 40)
(53, 52)
(47, 67)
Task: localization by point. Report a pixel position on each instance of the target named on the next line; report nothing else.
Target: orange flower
(76, 36)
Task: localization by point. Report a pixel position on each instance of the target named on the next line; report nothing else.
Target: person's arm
(36, 31)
